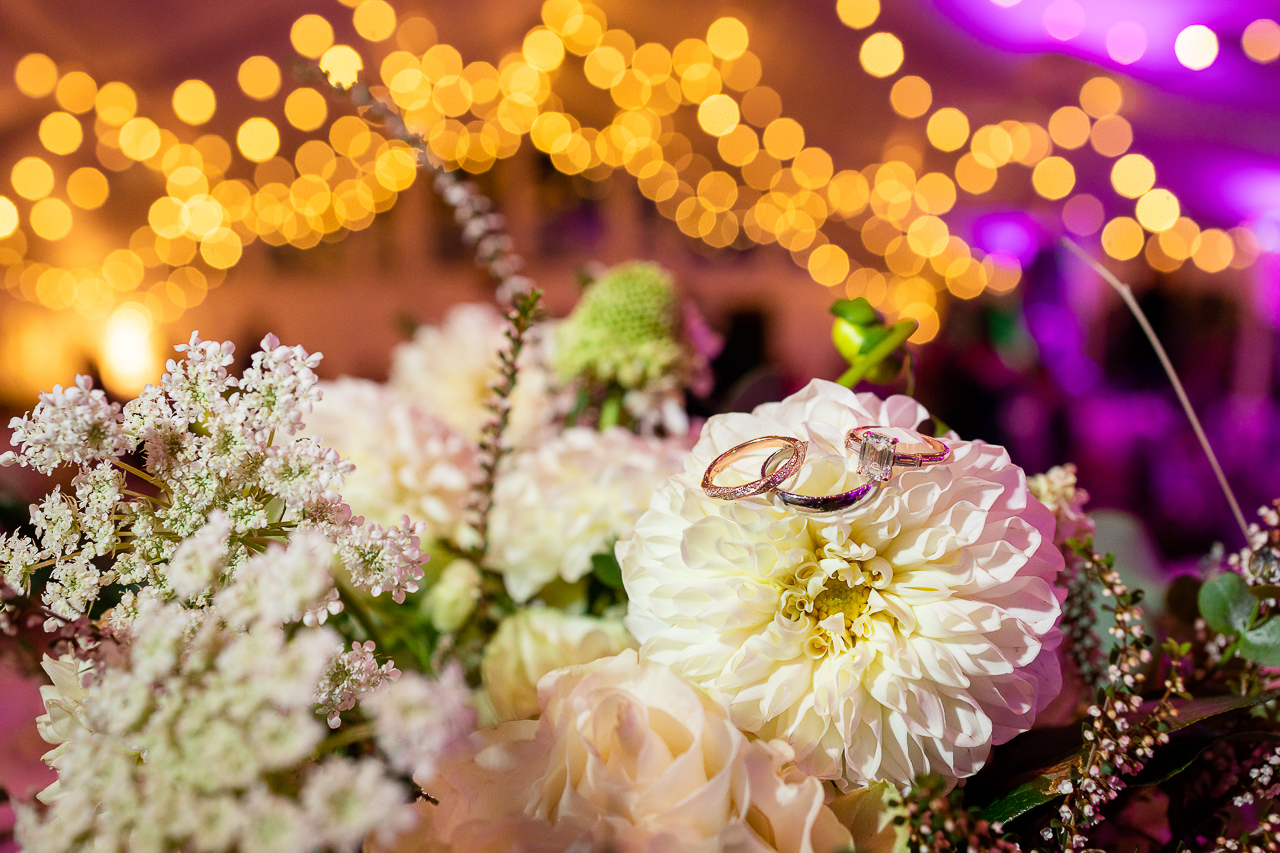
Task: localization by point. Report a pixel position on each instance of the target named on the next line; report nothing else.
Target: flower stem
(1126, 294)
(139, 473)
(351, 602)
(344, 737)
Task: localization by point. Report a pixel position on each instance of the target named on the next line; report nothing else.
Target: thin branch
(1126, 294)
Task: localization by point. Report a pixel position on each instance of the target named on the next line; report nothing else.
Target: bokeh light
(194, 102)
(881, 54)
(259, 78)
(258, 139)
(1261, 40)
(1126, 42)
(87, 188)
(35, 75)
(32, 178)
(60, 133)
(1196, 47)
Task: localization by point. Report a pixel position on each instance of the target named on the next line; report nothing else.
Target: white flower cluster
(448, 371)
(350, 676)
(407, 462)
(1057, 489)
(212, 443)
(199, 732)
(418, 722)
(571, 497)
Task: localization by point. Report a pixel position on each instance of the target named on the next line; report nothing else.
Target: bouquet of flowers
(513, 599)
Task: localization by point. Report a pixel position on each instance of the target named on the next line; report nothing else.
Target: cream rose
(629, 757)
(535, 641)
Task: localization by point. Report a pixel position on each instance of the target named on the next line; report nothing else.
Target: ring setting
(877, 456)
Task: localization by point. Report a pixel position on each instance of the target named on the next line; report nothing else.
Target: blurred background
(187, 166)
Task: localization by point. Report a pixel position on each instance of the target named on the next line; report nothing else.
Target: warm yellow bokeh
(194, 102)
(35, 75)
(8, 217)
(258, 140)
(306, 109)
(1132, 175)
(51, 218)
(948, 129)
(32, 178)
(911, 97)
(374, 20)
(1157, 210)
(87, 188)
(858, 13)
(881, 54)
(311, 36)
(76, 92)
(259, 77)
(1122, 238)
(718, 115)
(727, 37)
(1069, 127)
(116, 103)
(1101, 96)
(1054, 177)
(60, 133)
(342, 64)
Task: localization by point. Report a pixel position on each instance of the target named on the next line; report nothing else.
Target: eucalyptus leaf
(1227, 605)
(1261, 644)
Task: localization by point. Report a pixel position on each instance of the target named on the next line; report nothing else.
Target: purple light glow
(1011, 233)
(1135, 36)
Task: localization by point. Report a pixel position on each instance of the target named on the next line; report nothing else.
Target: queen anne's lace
(905, 635)
(213, 444)
(201, 732)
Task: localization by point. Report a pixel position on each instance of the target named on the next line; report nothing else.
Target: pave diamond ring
(784, 472)
(877, 452)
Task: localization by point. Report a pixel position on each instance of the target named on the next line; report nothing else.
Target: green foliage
(873, 350)
(1231, 607)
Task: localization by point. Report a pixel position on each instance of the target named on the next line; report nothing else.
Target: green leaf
(605, 567)
(1227, 605)
(1043, 789)
(856, 311)
(1261, 644)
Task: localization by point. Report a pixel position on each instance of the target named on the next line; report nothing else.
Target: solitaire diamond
(875, 456)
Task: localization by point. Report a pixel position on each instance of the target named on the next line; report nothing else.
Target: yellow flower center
(841, 598)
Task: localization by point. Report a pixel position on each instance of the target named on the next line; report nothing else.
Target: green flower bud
(625, 329)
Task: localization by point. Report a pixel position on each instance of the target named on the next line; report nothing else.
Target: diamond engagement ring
(785, 471)
(819, 503)
(877, 453)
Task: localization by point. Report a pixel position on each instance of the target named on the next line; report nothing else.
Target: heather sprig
(1118, 742)
(524, 308)
(938, 822)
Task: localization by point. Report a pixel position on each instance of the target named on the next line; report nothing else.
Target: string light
(472, 114)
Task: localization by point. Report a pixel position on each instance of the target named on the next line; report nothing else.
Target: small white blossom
(72, 426)
(418, 721)
(350, 676)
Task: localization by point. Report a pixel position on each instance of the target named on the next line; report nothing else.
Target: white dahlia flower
(573, 496)
(904, 635)
(407, 461)
(627, 756)
(446, 370)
